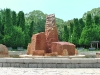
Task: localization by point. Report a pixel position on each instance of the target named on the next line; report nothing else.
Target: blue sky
(64, 9)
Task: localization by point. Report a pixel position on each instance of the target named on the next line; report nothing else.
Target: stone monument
(47, 43)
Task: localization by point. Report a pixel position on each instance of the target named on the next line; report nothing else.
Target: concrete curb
(50, 62)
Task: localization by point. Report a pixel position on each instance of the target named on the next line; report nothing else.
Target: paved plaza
(49, 71)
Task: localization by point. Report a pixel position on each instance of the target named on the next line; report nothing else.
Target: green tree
(81, 25)
(13, 17)
(65, 34)
(16, 38)
(21, 20)
(71, 25)
(89, 20)
(8, 22)
(93, 12)
(60, 26)
(89, 33)
(39, 19)
(2, 20)
(31, 29)
(27, 36)
(7, 28)
(97, 20)
(76, 29)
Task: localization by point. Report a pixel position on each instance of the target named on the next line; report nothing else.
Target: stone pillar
(50, 31)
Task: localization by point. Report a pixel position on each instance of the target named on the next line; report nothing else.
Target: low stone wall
(50, 62)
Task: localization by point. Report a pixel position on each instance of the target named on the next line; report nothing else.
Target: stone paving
(49, 71)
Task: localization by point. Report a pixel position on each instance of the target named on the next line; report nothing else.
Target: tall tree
(27, 36)
(31, 29)
(8, 21)
(71, 25)
(7, 27)
(2, 20)
(89, 20)
(65, 34)
(21, 20)
(81, 25)
(13, 17)
(75, 36)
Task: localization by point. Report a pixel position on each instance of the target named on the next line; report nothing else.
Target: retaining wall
(50, 62)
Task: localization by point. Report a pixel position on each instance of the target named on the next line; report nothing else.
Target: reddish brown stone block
(60, 46)
(38, 42)
(65, 52)
(51, 54)
(38, 52)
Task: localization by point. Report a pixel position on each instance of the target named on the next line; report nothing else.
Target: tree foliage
(31, 29)
(16, 29)
(14, 21)
(65, 34)
(76, 33)
(21, 20)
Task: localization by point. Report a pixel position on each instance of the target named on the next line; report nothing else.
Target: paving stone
(49, 71)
